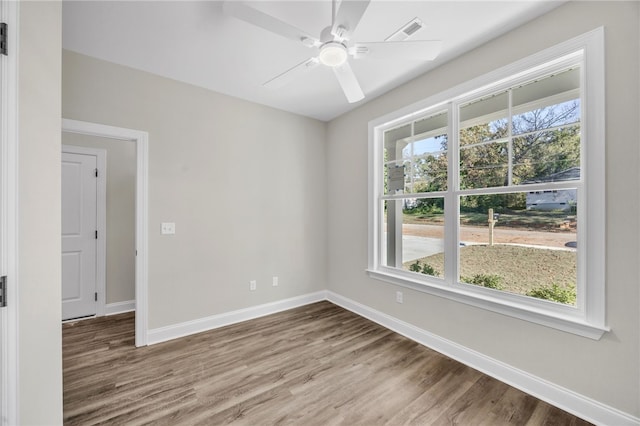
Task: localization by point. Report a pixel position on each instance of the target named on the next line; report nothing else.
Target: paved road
(425, 240)
(480, 235)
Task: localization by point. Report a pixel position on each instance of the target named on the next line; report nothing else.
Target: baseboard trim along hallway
(120, 307)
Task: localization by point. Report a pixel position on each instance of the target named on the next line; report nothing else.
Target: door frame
(141, 140)
(9, 216)
(101, 220)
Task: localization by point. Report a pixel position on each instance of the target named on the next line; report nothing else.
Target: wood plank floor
(314, 365)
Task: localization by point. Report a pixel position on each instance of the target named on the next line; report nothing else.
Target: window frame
(587, 318)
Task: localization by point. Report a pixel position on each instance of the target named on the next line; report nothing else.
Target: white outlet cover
(168, 228)
(275, 281)
(252, 285)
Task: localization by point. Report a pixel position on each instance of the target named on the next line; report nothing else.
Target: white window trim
(589, 318)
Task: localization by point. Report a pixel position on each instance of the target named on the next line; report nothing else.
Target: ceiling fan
(334, 44)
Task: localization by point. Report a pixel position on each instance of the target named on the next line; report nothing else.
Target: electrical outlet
(252, 285)
(168, 228)
(399, 297)
(275, 281)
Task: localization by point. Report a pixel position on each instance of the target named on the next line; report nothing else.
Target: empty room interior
(317, 212)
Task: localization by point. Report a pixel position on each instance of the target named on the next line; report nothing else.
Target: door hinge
(96, 234)
(3, 292)
(95, 296)
(3, 38)
(96, 172)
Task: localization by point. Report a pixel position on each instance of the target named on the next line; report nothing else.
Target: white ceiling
(196, 43)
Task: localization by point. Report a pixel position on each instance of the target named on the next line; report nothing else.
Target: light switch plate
(168, 228)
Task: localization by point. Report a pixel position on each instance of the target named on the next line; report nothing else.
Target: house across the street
(561, 199)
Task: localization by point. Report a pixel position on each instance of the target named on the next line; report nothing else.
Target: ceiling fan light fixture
(333, 54)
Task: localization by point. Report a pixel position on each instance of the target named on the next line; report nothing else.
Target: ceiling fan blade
(348, 17)
(255, 17)
(291, 74)
(423, 50)
(348, 82)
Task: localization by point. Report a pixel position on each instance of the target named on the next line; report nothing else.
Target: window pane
(547, 156)
(542, 118)
(484, 127)
(429, 173)
(484, 166)
(532, 249)
(413, 237)
(548, 102)
(430, 145)
(546, 129)
(417, 162)
(431, 123)
(484, 120)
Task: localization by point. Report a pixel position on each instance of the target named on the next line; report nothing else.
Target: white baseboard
(119, 307)
(565, 399)
(170, 332)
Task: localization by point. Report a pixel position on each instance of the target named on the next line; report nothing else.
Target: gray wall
(121, 198)
(39, 269)
(255, 192)
(245, 185)
(607, 370)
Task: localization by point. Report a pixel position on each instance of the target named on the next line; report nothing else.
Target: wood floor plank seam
(314, 365)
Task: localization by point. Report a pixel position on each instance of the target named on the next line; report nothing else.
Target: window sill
(558, 321)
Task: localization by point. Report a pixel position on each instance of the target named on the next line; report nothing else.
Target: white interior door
(79, 235)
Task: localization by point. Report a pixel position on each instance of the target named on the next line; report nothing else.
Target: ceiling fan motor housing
(333, 54)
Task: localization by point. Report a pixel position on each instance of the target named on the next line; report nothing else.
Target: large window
(492, 193)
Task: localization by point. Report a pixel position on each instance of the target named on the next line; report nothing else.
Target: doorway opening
(140, 138)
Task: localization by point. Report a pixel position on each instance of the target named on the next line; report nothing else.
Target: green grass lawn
(526, 219)
(521, 268)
